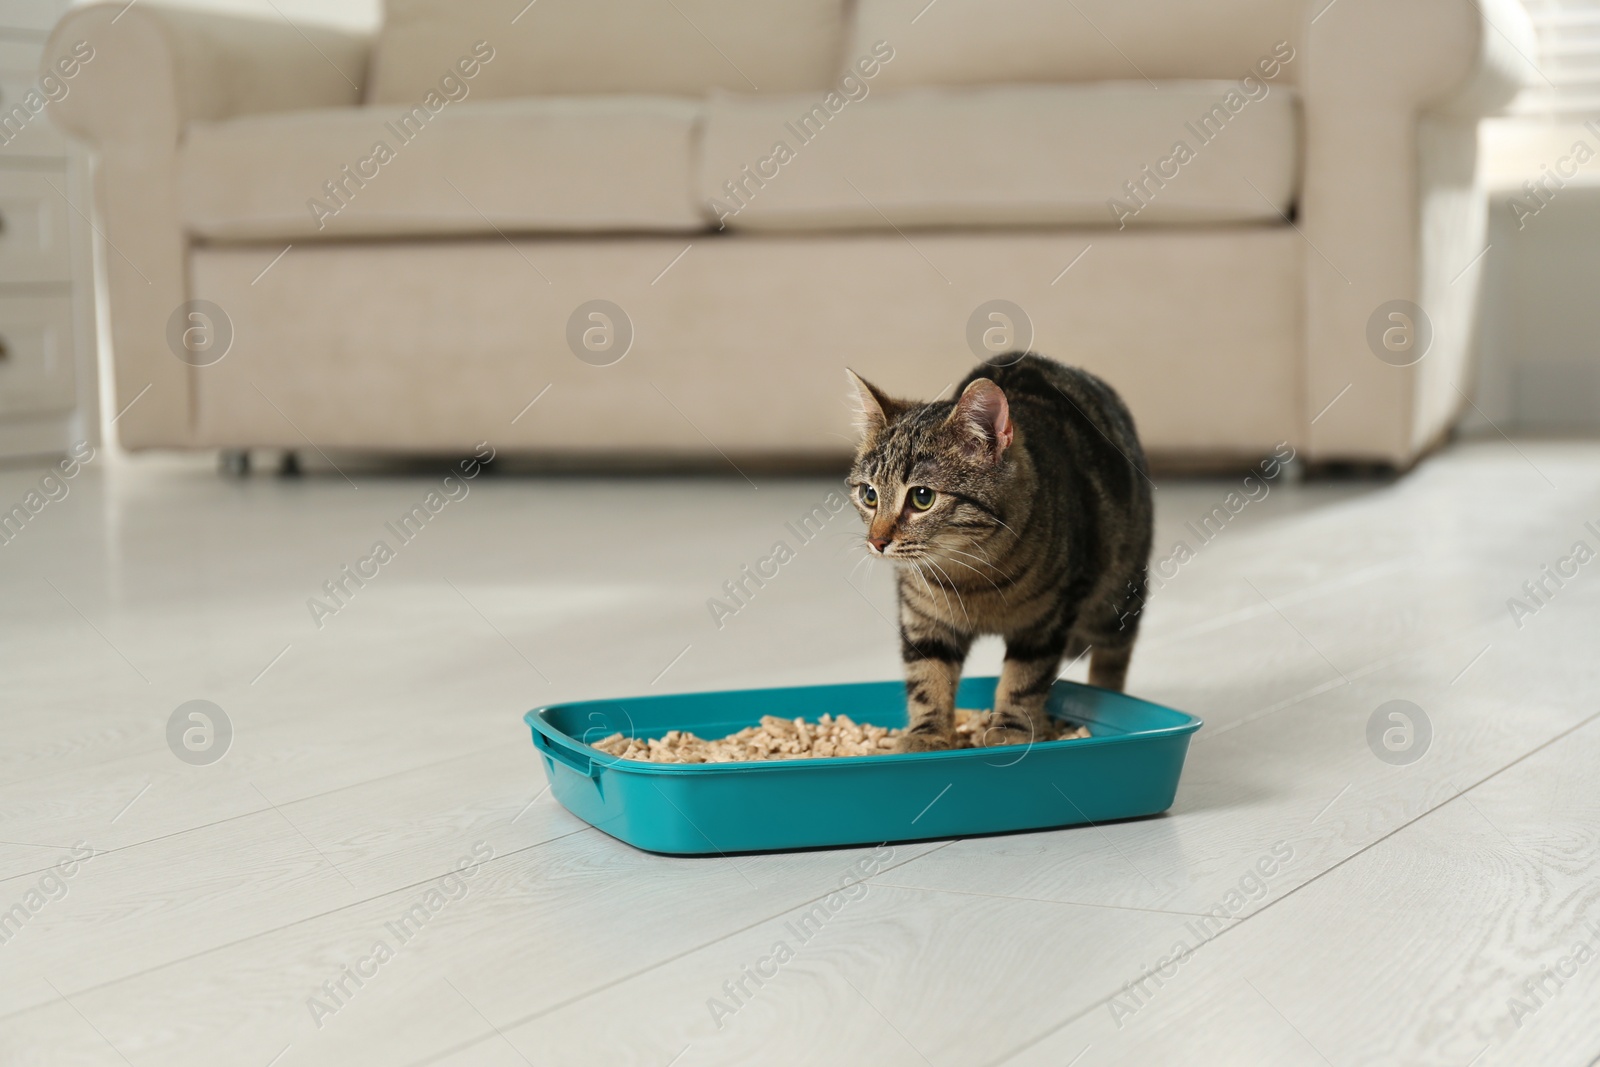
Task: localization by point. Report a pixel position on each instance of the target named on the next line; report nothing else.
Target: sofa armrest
(134, 78)
(1392, 91)
(154, 69)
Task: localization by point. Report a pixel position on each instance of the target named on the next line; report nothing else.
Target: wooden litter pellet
(777, 739)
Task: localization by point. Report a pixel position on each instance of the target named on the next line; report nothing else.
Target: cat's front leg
(933, 654)
(1031, 666)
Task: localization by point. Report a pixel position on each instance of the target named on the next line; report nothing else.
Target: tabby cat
(1021, 509)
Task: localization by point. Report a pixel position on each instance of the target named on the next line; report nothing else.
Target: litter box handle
(582, 764)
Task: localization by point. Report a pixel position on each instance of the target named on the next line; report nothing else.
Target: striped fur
(1038, 530)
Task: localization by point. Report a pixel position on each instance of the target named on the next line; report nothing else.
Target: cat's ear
(877, 409)
(982, 411)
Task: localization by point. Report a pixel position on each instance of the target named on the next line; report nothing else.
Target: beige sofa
(1212, 203)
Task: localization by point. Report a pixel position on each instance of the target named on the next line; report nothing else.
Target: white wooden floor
(1408, 908)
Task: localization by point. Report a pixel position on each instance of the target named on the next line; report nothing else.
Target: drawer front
(26, 128)
(34, 220)
(36, 355)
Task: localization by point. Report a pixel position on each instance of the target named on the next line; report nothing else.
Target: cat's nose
(879, 543)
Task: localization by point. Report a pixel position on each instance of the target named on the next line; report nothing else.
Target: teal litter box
(1128, 767)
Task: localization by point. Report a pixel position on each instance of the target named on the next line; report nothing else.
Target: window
(1569, 58)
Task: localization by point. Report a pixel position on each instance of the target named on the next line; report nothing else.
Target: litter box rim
(553, 741)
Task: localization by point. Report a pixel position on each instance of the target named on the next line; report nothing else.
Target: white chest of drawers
(48, 395)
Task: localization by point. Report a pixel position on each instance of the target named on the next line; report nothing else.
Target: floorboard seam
(1563, 735)
(1036, 900)
(1331, 684)
(1253, 612)
(285, 926)
(525, 1019)
(247, 814)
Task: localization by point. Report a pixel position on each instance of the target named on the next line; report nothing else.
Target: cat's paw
(1003, 730)
(1005, 735)
(924, 742)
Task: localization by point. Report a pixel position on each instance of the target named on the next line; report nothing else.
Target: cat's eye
(869, 496)
(921, 497)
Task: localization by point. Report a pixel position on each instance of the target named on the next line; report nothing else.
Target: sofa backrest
(553, 47)
(976, 42)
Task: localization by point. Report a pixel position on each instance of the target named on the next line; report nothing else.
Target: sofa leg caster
(234, 462)
(289, 465)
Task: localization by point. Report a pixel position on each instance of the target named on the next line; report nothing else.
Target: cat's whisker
(917, 567)
(980, 574)
(979, 558)
(945, 592)
(987, 571)
(976, 553)
(865, 558)
(952, 586)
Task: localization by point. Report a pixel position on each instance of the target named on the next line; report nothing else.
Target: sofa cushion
(968, 42)
(575, 164)
(681, 47)
(1061, 154)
